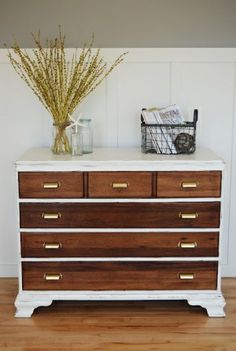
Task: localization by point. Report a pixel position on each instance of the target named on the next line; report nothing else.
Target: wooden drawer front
(51, 185)
(120, 215)
(119, 244)
(119, 275)
(120, 184)
(189, 184)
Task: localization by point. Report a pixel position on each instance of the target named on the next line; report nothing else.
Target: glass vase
(76, 144)
(61, 139)
(86, 134)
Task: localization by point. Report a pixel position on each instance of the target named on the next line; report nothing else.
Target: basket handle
(195, 115)
(142, 119)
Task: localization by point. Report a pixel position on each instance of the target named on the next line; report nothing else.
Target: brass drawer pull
(51, 215)
(51, 185)
(188, 215)
(52, 246)
(186, 276)
(119, 185)
(52, 276)
(186, 185)
(187, 245)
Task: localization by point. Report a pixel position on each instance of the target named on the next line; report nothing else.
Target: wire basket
(169, 139)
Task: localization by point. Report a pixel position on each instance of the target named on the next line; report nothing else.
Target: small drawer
(189, 184)
(51, 185)
(117, 244)
(119, 275)
(120, 184)
(120, 215)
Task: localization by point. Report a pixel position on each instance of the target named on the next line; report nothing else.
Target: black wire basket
(169, 139)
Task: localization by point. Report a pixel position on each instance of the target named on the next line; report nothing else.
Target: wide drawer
(189, 184)
(116, 244)
(119, 275)
(51, 185)
(120, 184)
(120, 215)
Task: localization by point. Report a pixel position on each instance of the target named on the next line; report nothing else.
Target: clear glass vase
(61, 139)
(76, 144)
(86, 134)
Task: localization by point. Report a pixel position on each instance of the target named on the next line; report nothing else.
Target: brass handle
(51, 185)
(51, 215)
(185, 185)
(188, 215)
(52, 245)
(119, 185)
(186, 276)
(187, 245)
(52, 276)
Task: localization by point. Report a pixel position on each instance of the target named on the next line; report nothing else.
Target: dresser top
(118, 159)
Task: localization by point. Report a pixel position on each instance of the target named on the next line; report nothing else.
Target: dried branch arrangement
(60, 85)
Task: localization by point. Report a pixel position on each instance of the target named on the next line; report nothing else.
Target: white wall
(193, 78)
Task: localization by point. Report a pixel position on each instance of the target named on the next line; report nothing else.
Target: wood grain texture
(117, 326)
(169, 184)
(119, 244)
(139, 184)
(31, 184)
(119, 275)
(120, 215)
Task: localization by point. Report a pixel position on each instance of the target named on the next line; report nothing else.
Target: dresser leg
(213, 304)
(26, 303)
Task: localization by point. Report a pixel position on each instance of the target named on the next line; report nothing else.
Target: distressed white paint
(209, 199)
(193, 78)
(118, 159)
(119, 259)
(27, 301)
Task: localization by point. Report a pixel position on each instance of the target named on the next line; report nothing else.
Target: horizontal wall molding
(157, 54)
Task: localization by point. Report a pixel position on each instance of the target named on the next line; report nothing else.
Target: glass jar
(86, 134)
(76, 144)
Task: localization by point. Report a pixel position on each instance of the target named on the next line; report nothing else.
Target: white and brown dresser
(119, 225)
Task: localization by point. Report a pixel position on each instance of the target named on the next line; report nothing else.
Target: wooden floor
(118, 326)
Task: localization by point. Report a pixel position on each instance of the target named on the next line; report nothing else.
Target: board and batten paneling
(192, 78)
(209, 87)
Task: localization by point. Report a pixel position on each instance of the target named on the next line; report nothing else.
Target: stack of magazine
(162, 137)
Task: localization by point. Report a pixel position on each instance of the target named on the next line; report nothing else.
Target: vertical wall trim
(233, 144)
(170, 82)
(117, 109)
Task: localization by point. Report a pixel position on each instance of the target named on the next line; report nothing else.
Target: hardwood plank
(117, 326)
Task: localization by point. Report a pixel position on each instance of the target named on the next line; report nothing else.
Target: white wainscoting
(192, 78)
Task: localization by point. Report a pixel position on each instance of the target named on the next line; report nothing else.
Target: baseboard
(8, 270)
(228, 271)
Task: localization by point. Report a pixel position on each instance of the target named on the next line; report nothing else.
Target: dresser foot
(214, 305)
(25, 304)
